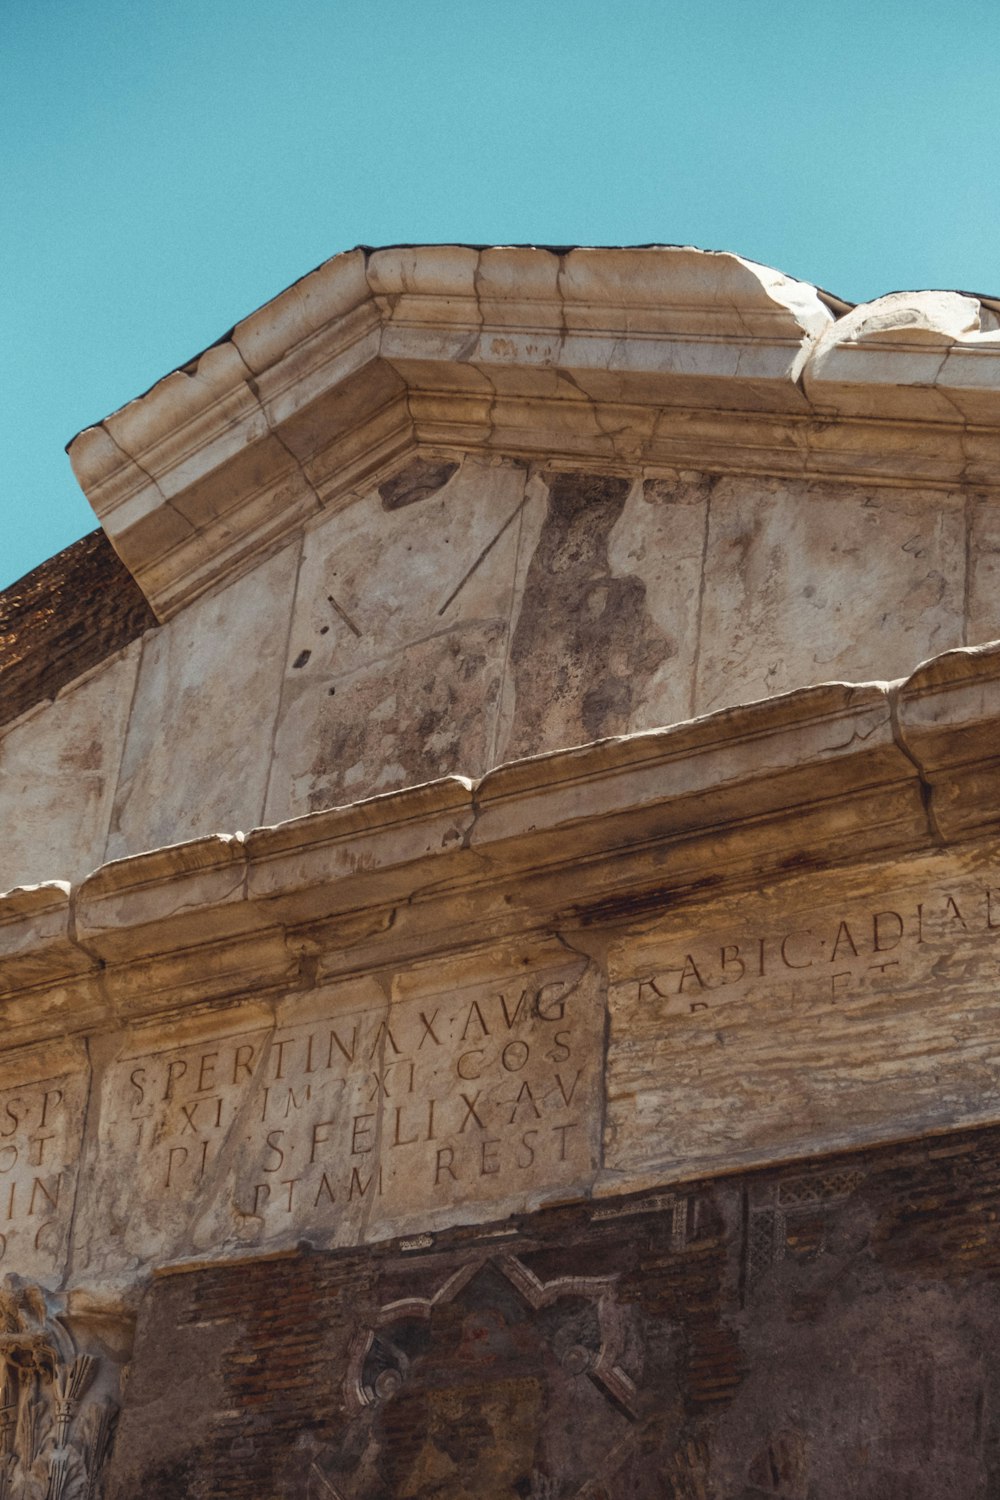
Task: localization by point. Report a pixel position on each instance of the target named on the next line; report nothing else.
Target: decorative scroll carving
(57, 1419)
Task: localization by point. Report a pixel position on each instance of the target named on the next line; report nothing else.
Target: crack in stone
(893, 693)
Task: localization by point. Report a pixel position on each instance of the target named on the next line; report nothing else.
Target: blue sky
(170, 166)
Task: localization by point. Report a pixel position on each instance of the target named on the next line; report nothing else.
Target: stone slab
(58, 770)
(983, 611)
(206, 698)
(813, 583)
(43, 1101)
(604, 631)
(399, 636)
(354, 1111)
(819, 1013)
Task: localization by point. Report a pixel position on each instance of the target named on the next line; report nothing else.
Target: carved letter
(843, 936)
(445, 1157)
(55, 1094)
(335, 1041)
(552, 1007)
(514, 1056)
(492, 1166)
(562, 1129)
(409, 1139)
(279, 1048)
(180, 1151)
(878, 934)
(559, 1051)
(175, 1070)
(730, 955)
(956, 915)
(272, 1145)
(359, 1132)
(788, 962)
(470, 1111)
(294, 1102)
(317, 1139)
(384, 1030)
(133, 1079)
(474, 1010)
(524, 1096)
(39, 1185)
(12, 1115)
(518, 1008)
(568, 1098)
(324, 1187)
(689, 971)
(207, 1064)
(428, 1030)
(241, 1063)
(363, 1187)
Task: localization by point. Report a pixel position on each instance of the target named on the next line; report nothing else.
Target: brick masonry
(825, 1330)
(62, 619)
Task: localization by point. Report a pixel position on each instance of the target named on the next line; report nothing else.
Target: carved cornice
(657, 358)
(598, 834)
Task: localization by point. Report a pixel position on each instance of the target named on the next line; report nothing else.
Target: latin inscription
(834, 954)
(364, 1116)
(40, 1126)
(830, 1010)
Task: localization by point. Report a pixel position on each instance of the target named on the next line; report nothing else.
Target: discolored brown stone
(416, 482)
(584, 645)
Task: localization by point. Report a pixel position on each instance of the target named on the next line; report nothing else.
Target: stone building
(500, 959)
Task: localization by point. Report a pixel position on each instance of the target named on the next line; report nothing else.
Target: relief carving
(590, 1345)
(477, 1390)
(57, 1410)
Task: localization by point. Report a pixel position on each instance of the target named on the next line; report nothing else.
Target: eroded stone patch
(584, 646)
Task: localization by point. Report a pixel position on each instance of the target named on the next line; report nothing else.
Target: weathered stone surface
(561, 612)
(58, 772)
(983, 617)
(366, 1090)
(352, 366)
(910, 354)
(349, 1112)
(812, 1008)
(398, 641)
(43, 1102)
(206, 696)
(813, 583)
(947, 715)
(606, 624)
